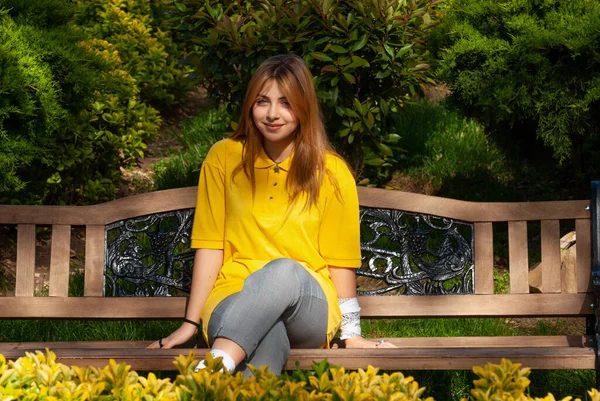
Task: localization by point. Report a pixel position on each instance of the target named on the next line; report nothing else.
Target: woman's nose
(273, 112)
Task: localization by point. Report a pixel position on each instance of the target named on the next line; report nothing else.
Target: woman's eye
(286, 104)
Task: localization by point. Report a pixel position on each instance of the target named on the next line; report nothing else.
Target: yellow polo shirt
(255, 232)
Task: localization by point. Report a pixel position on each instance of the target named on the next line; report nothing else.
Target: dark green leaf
(375, 161)
(357, 126)
(337, 49)
(360, 44)
(402, 51)
(385, 149)
(351, 113)
(320, 56)
(384, 106)
(382, 74)
(350, 78)
(389, 50)
(324, 95)
(392, 138)
(342, 133)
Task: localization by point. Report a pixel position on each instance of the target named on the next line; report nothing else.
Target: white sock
(228, 361)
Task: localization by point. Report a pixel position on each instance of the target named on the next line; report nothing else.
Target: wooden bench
(424, 257)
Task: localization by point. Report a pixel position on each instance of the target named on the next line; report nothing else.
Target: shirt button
(270, 198)
(274, 184)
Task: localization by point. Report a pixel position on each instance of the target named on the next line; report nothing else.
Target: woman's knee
(282, 271)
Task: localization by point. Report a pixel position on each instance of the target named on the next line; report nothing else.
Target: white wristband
(350, 317)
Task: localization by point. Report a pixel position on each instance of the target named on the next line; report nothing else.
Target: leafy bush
(124, 28)
(367, 59)
(69, 115)
(523, 63)
(38, 376)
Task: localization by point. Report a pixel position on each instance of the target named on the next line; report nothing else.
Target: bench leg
(595, 210)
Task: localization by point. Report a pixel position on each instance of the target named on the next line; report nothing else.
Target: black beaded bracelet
(191, 322)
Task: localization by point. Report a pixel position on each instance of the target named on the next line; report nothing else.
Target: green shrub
(532, 67)
(69, 116)
(367, 59)
(147, 53)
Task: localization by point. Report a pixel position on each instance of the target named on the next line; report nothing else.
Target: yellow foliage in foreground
(39, 377)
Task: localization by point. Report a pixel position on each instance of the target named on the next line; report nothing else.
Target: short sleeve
(209, 219)
(339, 233)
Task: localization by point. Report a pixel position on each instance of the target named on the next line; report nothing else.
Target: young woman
(276, 231)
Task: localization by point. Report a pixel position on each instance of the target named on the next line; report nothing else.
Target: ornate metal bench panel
(403, 254)
(149, 255)
(414, 254)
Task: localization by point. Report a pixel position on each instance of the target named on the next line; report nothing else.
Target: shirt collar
(264, 161)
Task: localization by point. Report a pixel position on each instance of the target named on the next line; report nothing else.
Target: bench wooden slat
(551, 275)
(59, 261)
(472, 211)
(94, 261)
(508, 305)
(484, 258)
(446, 359)
(25, 273)
(406, 342)
(583, 233)
(385, 359)
(183, 198)
(518, 257)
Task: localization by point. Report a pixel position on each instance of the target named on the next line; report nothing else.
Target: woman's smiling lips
(273, 127)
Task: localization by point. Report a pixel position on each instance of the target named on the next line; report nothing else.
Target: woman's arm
(207, 263)
(344, 280)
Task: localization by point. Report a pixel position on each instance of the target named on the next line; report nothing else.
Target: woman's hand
(361, 342)
(179, 336)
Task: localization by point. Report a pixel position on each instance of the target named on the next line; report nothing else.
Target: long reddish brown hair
(311, 145)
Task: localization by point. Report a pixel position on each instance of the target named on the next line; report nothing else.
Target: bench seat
(432, 353)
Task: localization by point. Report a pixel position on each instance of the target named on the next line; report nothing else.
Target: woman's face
(273, 116)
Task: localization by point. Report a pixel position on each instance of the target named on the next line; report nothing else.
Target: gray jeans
(280, 306)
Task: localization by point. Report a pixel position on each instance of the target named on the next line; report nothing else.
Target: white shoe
(201, 365)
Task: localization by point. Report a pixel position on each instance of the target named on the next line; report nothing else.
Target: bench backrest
(412, 245)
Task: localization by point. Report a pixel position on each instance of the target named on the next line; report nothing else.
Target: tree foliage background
(71, 110)
(527, 68)
(367, 57)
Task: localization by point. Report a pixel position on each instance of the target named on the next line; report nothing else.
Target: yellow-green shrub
(125, 27)
(39, 377)
(70, 114)
(508, 382)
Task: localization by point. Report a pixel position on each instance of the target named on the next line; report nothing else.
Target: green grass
(451, 152)
(83, 330)
(436, 327)
(182, 168)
